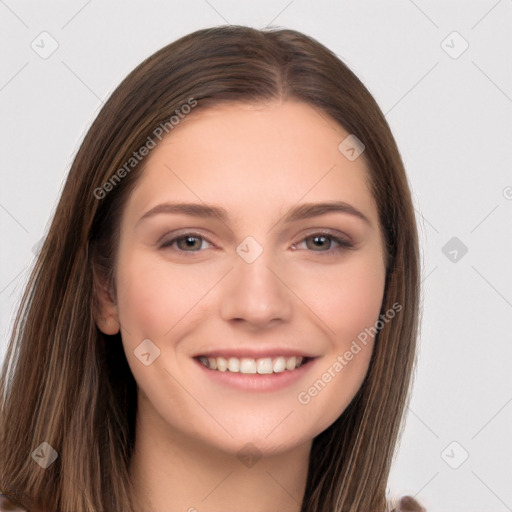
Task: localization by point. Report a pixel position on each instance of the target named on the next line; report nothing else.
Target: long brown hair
(65, 383)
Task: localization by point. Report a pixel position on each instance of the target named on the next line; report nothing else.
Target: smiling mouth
(247, 365)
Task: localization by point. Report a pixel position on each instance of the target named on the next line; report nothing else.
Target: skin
(256, 161)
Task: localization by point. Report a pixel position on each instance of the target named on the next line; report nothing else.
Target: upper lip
(256, 353)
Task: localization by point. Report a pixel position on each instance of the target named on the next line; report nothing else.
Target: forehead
(254, 157)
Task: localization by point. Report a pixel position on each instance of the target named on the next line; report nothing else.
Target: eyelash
(343, 244)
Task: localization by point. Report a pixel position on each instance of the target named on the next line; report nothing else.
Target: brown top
(405, 504)
(6, 505)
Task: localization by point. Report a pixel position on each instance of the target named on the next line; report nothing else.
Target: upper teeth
(264, 365)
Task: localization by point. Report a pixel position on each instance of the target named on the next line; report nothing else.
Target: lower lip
(255, 381)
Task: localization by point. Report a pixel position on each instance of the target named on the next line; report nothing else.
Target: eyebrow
(299, 212)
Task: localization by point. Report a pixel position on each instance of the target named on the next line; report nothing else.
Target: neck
(174, 472)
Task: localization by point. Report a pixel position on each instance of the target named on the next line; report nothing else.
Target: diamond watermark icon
(455, 455)
(36, 248)
(45, 45)
(249, 455)
(146, 352)
(351, 147)
(249, 249)
(454, 45)
(44, 455)
(454, 250)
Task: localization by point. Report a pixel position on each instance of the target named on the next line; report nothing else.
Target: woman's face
(259, 288)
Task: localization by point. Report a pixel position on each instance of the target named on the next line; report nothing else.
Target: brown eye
(319, 242)
(189, 242)
(323, 242)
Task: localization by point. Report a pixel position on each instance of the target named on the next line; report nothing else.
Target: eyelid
(325, 231)
(344, 241)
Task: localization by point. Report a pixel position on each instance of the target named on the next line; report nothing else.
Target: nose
(256, 293)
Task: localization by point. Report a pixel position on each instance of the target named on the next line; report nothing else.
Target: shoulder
(6, 505)
(407, 504)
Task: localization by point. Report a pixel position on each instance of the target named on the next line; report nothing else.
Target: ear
(106, 314)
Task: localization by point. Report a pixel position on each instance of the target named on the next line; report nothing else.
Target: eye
(192, 243)
(188, 242)
(324, 242)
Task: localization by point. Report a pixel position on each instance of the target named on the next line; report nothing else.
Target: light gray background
(452, 117)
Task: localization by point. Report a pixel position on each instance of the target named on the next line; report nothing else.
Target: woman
(249, 371)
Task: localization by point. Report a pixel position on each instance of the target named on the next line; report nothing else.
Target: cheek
(360, 302)
(347, 297)
(138, 288)
(154, 295)
(348, 301)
